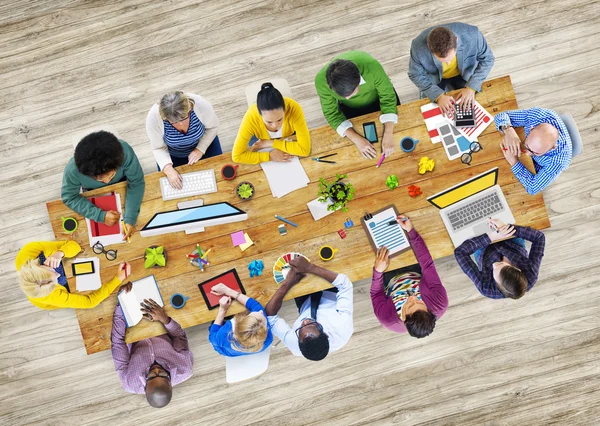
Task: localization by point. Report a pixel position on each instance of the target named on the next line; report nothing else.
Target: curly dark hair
(99, 153)
(420, 324)
(441, 41)
(343, 77)
(315, 348)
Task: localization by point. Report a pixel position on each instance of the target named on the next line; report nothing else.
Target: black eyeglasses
(98, 248)
(311, 322)
(467, 157)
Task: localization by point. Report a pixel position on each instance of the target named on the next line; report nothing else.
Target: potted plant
(245, 190)
(155, 256)
(336, 193)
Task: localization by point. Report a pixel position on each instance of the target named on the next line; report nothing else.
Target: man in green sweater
(354, 84)
(101, 159)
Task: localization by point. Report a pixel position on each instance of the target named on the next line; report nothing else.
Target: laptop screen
(465, 189)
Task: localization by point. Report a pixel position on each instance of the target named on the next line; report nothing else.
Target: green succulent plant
(245, 191)
(155, 256)
(339, 192)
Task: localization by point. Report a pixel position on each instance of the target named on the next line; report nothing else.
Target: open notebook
(146, 288)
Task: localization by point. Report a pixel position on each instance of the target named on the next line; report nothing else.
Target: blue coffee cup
(408, 144)
(178, 300)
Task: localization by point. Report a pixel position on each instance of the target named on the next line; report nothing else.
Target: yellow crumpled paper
(426, 165)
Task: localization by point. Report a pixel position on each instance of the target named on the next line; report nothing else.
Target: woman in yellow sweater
(272, 122)
(42, 276)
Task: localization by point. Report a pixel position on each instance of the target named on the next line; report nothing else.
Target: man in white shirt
(325, 321)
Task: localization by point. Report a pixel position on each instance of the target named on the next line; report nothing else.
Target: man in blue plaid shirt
(547, 143)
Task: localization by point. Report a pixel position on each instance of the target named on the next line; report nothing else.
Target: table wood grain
(354, 256)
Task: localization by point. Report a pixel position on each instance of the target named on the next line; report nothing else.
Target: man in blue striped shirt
(547, 142)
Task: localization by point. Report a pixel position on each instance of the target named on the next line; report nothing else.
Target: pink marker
(380, 160)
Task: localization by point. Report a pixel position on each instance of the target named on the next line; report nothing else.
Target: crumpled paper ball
(256, 268)
(414, 191)
(426, 165)
(392, 182)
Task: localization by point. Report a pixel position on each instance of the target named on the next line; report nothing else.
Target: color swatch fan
(282, 266)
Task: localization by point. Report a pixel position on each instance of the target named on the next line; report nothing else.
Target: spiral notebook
(380, 233)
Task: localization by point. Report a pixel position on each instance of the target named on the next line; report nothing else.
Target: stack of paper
(284, 178)
(319, 209)
(88, 281)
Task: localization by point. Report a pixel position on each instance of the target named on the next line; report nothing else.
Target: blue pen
(286, 221)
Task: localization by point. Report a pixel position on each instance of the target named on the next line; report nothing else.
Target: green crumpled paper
(392, 182)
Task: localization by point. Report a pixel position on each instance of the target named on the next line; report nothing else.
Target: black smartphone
(370, 131)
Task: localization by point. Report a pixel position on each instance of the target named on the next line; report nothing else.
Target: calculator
(463, 116)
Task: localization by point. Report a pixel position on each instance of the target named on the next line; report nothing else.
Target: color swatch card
(381, 233)
(99, 232)
(282, 266)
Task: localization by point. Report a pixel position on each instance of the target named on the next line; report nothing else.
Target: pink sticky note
(238, 238)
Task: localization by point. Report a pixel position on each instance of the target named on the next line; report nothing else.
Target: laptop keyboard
(474, 211)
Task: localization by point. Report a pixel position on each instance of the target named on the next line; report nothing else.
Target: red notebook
(229, 278)
(106, 202)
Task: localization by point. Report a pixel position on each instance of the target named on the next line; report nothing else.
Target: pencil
(125, 229)
(289, 222)
(205, 253)
(125, 269)
(380, 160)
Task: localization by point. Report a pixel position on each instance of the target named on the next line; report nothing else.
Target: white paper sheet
(146, 288)
(107, 239)
(88, 281)
(319, 209)
(284, 178)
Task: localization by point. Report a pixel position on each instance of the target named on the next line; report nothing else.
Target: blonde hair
(249, 332)
(175, 107)
(36, 281)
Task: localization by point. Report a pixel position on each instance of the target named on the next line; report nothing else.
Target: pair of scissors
(320, 159)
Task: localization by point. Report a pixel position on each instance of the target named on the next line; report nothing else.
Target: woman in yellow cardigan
(272, 122)
(42, 276)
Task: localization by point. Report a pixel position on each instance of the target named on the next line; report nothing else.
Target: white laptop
(466, 207)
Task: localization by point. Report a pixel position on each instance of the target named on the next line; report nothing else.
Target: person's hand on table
(173, 176)
(387, 142)
(153, 311)
(221, 290)
(261, 144)
(124, 271)
(404, 222)
(126, 287)
(512, 142)
(503, 233)
(53, 261)
(511, 158)
(280, 156)
(446, 104)
(365, 147)
(301, 265)
(128, 231)
(466, 96)
(194, 156)
(294, 277)
(111, 217)
(225, 303)
(495, 223)
(382, 261)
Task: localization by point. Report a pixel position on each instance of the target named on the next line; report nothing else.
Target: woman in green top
(101, 159)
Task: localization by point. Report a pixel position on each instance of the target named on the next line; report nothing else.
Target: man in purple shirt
(503, 269)
(151, 366)
(410, 302)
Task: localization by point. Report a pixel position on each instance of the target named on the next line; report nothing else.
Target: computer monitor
(192, 217)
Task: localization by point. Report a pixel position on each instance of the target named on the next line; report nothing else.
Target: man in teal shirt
(354, 84)
(101, 159)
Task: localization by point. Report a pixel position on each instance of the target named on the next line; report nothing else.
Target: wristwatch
(504, 127)
(236, 296)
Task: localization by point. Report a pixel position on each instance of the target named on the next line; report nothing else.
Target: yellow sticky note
(248, 242)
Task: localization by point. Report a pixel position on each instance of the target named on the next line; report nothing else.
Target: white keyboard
(194, 183)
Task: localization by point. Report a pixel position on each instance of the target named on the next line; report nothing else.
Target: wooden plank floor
(69, 64)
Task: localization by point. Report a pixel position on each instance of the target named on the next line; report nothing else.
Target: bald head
(542, 139)
(159, 392)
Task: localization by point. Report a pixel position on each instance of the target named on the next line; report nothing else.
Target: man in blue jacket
(449, 57)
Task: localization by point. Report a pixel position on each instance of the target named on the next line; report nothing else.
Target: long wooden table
(355, 256)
